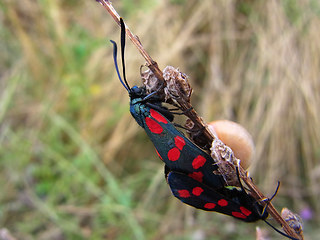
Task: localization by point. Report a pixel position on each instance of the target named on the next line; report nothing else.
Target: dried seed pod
(293, 220)
(196, 135)
(177, 84)
(237, 138)
(226, 161)
(175, 87)
(151, 82)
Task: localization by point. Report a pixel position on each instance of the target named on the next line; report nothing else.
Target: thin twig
(199, 123)
(151, 64)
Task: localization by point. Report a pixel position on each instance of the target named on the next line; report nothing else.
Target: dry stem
(199, 123)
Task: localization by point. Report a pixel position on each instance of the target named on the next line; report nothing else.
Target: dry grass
(74, 161)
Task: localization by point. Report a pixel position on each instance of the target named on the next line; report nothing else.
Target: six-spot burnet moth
(189, 170)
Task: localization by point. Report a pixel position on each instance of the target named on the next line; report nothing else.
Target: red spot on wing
(245, 211)
(197, 191)
(174, 154)
(198, 176)
(222, 202)
(239, 215)
(209, 205)
(198, 162)
(179, 141)
(184, 193)
(153, 126)
(158, 116)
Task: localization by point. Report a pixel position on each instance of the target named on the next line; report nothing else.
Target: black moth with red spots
(229, 201)
(189, 170)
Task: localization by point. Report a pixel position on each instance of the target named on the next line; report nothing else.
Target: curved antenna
(278, 231)
(273, 227)
(269, 199)
(123, 44)
(275, 192)
(116, 65)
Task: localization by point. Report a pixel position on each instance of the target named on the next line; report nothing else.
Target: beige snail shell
(237, 138)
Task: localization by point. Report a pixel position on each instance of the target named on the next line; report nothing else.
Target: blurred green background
(75, 165)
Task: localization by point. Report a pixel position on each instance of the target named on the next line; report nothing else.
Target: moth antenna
(123, 44)
(278, 231)
(275, 192)
(116, 64)
(273, 227)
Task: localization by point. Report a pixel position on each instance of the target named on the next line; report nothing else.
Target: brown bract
(151, 82)
(226, 161)
(174, 87)
(293, 220)
(177, 84)
(232, 147)
(237, 138)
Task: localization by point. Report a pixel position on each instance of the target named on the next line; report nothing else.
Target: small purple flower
(306, 213)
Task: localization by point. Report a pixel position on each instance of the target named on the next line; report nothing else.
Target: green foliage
(132, 7)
